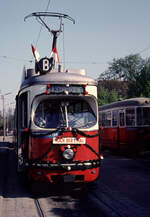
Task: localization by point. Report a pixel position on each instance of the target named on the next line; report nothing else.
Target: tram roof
(139, 101)
(68, 77)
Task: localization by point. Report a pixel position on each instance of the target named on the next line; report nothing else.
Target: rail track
(39, 208)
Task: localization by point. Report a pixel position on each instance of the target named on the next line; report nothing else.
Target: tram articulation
(58, 135)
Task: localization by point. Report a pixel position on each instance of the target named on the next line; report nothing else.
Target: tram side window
(100, 119)
(130, 117)
(103, 119)
(121, 117)
(114, 118)
(23, 110)
(146, 116)
(106, 119)
(143, 116)
(139, 116)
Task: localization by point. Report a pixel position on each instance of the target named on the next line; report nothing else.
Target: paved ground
(122, 191)
(126, 184)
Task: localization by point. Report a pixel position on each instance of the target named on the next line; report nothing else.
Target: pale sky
(104, 29)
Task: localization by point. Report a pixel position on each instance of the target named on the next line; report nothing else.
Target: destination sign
(63, 89)
(69, 140)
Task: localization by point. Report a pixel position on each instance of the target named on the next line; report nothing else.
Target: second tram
(125, 125)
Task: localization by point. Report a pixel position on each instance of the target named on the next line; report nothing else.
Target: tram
(58, 135)
(125, 125)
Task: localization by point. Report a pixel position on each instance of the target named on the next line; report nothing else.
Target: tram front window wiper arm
(62, 121)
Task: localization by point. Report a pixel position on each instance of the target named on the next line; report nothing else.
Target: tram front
(57, 118)
(63, 130)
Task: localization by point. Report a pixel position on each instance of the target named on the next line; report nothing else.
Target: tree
(141, 86)
(105, 96)
(120, 87)
(133, 70)
(125, 69)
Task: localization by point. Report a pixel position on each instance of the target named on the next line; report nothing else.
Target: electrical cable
(71, 62)
(17, 59)
(145, 49)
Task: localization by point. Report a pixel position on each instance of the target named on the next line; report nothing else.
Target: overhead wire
(145, 49)
(17, 59)
(31, 61)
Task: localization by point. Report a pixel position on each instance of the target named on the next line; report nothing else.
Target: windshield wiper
(63, 120)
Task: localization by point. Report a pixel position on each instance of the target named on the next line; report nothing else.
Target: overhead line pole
(4, 123)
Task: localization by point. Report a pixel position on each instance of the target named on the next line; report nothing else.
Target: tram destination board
(73, 89)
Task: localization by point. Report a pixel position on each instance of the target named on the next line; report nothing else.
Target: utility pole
(4, 123)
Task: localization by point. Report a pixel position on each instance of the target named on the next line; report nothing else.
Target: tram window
(100, 119)
(106, 119)
(121, 117)
(146, 116)
(23, 106)
(56, 113)
(114, 118)
(139, 116)
(130, 117)
(80, 114)
(143, 116)
(47, 114)
(103, 119)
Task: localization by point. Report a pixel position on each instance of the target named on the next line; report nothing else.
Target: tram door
(122, 139)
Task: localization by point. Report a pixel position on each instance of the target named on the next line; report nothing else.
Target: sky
(104, 29)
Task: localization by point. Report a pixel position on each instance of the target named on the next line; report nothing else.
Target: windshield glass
(62, 113)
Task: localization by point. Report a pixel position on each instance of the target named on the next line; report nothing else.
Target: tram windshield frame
(50, 113)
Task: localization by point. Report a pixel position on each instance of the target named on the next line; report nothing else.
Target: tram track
(72, 203)
(39, 208)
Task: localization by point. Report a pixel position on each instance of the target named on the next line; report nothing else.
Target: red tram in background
(125, 125)
(57, 123)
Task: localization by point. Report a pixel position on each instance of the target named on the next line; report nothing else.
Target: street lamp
(4, 123)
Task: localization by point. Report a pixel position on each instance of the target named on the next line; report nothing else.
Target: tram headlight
(68, 154)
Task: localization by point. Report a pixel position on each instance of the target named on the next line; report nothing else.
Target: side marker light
(101, 157)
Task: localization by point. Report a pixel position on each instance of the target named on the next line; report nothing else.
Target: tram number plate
(69, 140)
(69, 178)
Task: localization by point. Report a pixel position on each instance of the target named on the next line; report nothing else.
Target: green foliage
(141, 86)
(133, 70)
(126, 68)
(120, 87)
(105, 96)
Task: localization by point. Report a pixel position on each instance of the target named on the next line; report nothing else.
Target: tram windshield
(62, 113)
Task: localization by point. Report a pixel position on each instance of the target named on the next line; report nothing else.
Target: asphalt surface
(123, 190)
(126, 185)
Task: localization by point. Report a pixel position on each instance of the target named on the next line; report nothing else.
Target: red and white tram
(58, 124)
(125, 125)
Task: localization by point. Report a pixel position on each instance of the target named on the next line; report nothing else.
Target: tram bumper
(65, 166)
(66, 172)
